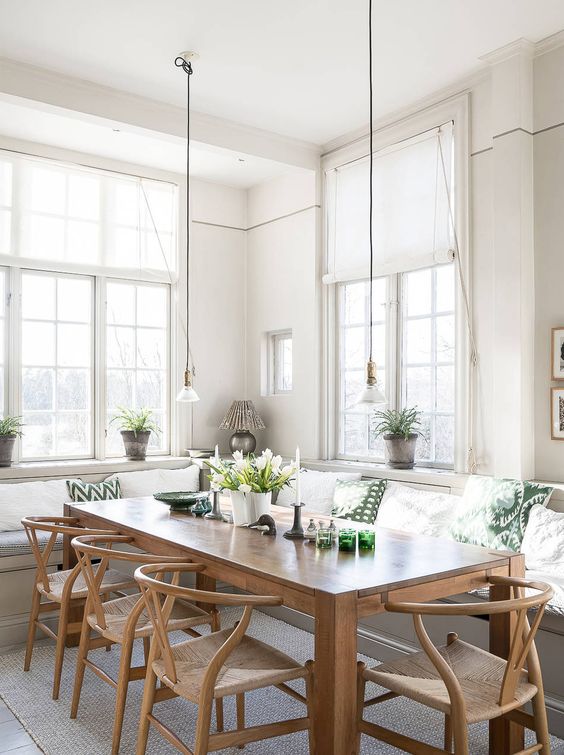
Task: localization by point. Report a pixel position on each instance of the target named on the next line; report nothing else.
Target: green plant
(403, 422)
(136, 421)
(261, 474)
(11, 426)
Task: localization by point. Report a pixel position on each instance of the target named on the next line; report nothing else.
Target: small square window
(280, 362)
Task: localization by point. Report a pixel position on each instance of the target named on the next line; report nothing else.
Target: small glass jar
(366, 540)
(324, 538)
(347, 540)
(311, 531)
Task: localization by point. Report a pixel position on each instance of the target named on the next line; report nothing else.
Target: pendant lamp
(371, 396)
(187, 394)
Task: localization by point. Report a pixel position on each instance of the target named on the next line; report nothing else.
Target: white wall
(217, 307)
(283, 291)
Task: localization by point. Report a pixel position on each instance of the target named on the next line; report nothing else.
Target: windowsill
(63, 469)
(445, 478)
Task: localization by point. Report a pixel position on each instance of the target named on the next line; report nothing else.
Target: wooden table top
(399, 560)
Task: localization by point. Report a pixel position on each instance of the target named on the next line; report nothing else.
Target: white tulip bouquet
(251, 474)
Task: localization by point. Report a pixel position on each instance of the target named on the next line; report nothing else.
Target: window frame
(457, 109)
(394, 383)
(275, 337)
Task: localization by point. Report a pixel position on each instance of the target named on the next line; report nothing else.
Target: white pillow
(317, 489)
(420, 511)
(543, 542)
(41, 498)
(138, 484)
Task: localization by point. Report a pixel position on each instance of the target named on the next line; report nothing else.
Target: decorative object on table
(310, 533)
(108, 490)
(10, 431)
(324, 538)
(136, 426)
(557, 413)
(251, 481)
(347, 540)
(215, 512)
(333, 527)
(358, 500)
(366, 540)
(297, 531)
(370, 396)
(180, 501)
(242, 417)
(557, 353)
(400, 430)
(187, 393)
(494, 512)
(265, 524)
(202, 507)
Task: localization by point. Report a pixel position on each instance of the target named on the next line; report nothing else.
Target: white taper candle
(298, 491)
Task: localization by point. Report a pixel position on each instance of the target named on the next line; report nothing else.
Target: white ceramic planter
(261, 504)
(242, 507)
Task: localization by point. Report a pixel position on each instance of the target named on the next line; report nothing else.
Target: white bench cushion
(42, 498)
(543, 542)
(136, 484)
(425, 512)
(317, 490)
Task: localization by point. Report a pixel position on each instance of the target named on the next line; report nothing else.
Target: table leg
(335, 673)
(506, 737)
(207, 583)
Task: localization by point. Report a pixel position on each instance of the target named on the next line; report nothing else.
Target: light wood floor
(14, 738)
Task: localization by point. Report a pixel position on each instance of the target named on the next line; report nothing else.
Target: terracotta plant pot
(400, 451)
(136, 443)
(7, 443)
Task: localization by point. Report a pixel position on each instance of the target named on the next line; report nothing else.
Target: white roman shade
(86, 220)
(411, 223)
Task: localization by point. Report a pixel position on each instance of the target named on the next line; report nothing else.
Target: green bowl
(181, 501)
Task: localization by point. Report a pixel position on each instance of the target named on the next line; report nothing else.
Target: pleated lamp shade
(242, 415)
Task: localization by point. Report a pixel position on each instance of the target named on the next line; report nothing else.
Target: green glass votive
(347, 540)
(324, 538)
(366, 540)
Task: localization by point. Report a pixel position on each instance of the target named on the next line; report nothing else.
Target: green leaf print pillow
(494, 512)
(358, 500)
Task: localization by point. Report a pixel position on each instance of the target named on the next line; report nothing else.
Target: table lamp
(242, 417)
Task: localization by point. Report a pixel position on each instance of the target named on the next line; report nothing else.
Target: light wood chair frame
(87, 548)
(522, 651)
(65, 526)
(154, 589)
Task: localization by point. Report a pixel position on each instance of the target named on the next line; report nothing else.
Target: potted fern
(10, 429)
(136, 427)
(400, 430)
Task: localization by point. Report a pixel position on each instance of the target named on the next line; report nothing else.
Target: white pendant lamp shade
(371, 397)
(187, 394)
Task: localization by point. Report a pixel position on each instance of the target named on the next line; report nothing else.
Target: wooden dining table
(335, 588)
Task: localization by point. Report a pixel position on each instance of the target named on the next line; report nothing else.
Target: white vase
(261, 504)
(242, 507)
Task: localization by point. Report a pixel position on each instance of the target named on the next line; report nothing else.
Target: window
(414, 351)
(280, 345)
(137, 356)
(85, 296)
(56, 365)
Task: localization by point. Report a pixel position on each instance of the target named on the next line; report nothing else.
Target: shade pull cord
(471, 456)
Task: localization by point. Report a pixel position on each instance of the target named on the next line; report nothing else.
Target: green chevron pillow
(494, 512)
(358, 500)
(108, 490)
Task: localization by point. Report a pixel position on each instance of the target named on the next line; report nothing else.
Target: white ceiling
(21, 120)
(296, 67)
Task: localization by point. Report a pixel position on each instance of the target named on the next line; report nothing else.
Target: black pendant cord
(186, 66)
(371, 303)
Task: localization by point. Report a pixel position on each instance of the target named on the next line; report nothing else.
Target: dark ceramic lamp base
(243, 441)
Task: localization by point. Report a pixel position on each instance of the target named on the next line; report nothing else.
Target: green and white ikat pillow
(358, 500)
(80, 491)
(494, 512)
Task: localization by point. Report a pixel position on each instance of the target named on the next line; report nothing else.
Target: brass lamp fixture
(371, 396)
(187, 394)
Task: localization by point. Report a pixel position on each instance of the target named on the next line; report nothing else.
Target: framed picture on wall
(557, 413)
(557, 353)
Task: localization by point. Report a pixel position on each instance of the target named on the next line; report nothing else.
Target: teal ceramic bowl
(180, 501)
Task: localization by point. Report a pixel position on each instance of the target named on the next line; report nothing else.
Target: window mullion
(99, 369)
(396, 341)
(14, 349)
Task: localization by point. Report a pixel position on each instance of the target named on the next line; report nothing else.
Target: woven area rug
(28, 695)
